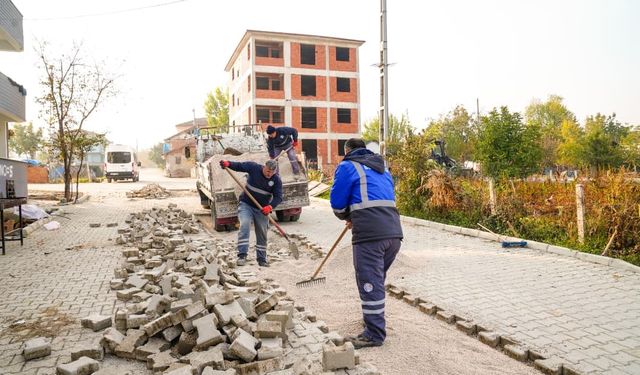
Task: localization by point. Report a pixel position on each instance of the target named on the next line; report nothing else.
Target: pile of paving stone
(183, 308)
(151, 191)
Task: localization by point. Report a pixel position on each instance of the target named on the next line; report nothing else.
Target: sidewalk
(581, 314)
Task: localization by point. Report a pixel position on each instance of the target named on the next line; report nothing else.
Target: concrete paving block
(269, 329)
(172, 333)
(211, 371)
(112, 371)
(266, 304)
(260, 367)
(93, 351)
(155, 345)
(36, 348)
(187, 324)
(338, 357)
(133, 339)
(490, 338)
(96, 322)
(446, 316)
(243, 346)
(116, 284)
(467, 327)
(128, 252)
(180, 370)
(187, 313)
(180, 304)
(517, 352)
(200, 360)
(127, 294)
(208, 334)
(137, 320)
(111, 338)
(428, 308)
(549, 366)
(410, 299)
(166, 284)
(81, 366)
(218, 298)
(160, 361)
(395, 292)
(560, 251)
(266, 352)
(158, 325)
(226, 312)
(186, 342)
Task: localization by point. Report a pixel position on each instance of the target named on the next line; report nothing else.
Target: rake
(504, 243)
(293, 248)
(321, 280)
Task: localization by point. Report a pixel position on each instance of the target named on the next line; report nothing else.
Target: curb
(534, 245)
(499, 341)
(26, 231)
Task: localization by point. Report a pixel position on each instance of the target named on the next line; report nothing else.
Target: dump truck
(219, 193)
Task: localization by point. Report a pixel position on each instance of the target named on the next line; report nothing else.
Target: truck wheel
(281, 216)
(108, 180)
(294, 217)
(220, 227)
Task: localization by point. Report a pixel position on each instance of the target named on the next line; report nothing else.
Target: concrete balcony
(12, 100)
(11, 36)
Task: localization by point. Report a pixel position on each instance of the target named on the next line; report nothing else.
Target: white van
(121, 163)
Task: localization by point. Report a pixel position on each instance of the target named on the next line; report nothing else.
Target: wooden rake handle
(335, 244)
(256, 203)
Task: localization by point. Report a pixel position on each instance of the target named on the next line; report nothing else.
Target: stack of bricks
(183, 308)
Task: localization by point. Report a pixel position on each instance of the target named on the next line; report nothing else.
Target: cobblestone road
(584, 314)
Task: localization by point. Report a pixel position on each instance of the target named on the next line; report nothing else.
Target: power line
(102, 13)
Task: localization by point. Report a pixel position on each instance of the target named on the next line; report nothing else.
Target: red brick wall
(320, 57)
(269, 61)
(321, 120)
(343, 127)
(321, 88)
(347, 66)
(350, 96)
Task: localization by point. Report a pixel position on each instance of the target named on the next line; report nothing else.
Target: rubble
(151, 191)
(183, 308)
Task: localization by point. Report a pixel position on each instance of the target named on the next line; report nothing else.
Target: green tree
(72, 90)
(155, 155)
(399, 130)
(506, 147)
(548, 116)
(631, 148)
(26, 141)
(459, 132)
(216, 107)
(571, 147)
(602, 141)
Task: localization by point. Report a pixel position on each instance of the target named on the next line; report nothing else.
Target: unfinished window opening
(341, 143)
(275, 53)
(343, 84)
(248, 51)
(344, 115)
(249, 84)
(308, 54)
(342, 54)
(265, 49)
(273, 115)
(308, 85)
(275, 85)
(276, 117)
(262, 83)
(309, 118)
(262, 51)
(262, 115)
(233, 100)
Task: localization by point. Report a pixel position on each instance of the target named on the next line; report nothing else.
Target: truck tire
(204, 200)
(108, 180)
(294, 217)
(281, 216)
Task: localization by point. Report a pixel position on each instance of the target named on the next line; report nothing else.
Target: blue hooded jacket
(363, 192)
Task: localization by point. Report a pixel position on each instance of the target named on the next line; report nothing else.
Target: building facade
(308, 82)
(12, 94)
(180, 149)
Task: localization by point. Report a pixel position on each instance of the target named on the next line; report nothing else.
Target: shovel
(293, 248)
(321, 280)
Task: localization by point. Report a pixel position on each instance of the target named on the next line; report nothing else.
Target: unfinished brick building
(308, 82)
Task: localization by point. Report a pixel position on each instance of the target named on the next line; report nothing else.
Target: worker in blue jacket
(362, 194)
(284, 138)
(266, 187)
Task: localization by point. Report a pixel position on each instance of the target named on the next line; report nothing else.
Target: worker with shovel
(265, 187)
(363, 195)
(284, 138)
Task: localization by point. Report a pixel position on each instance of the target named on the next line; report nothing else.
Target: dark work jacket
(265, 190)
(285, 135)
(363, 192)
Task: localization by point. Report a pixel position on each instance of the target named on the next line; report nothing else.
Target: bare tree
(72, 91)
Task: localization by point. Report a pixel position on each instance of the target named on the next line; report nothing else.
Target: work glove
(295, 143)
(224, 164)
(266, 210)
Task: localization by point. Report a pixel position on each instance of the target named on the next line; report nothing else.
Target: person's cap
(270, 129)
(271, 165)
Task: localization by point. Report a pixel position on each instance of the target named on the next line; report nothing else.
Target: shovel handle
(256, 203)
(282, 152)
(335, 244)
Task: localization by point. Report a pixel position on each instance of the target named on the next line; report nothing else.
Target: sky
(444, 53)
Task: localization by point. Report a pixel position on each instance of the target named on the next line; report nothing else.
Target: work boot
(362, 341)
(241, 262)
(263, 263)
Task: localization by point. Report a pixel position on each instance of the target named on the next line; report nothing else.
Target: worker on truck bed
(362, 194)
(266, 187)
(280, 139)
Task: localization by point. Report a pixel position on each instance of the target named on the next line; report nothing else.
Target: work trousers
(248, 215)
(295, 168)
(371, 261)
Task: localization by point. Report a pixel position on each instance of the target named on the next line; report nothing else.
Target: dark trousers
(371, 261)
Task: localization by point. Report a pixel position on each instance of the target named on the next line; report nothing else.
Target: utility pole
(384, 79)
